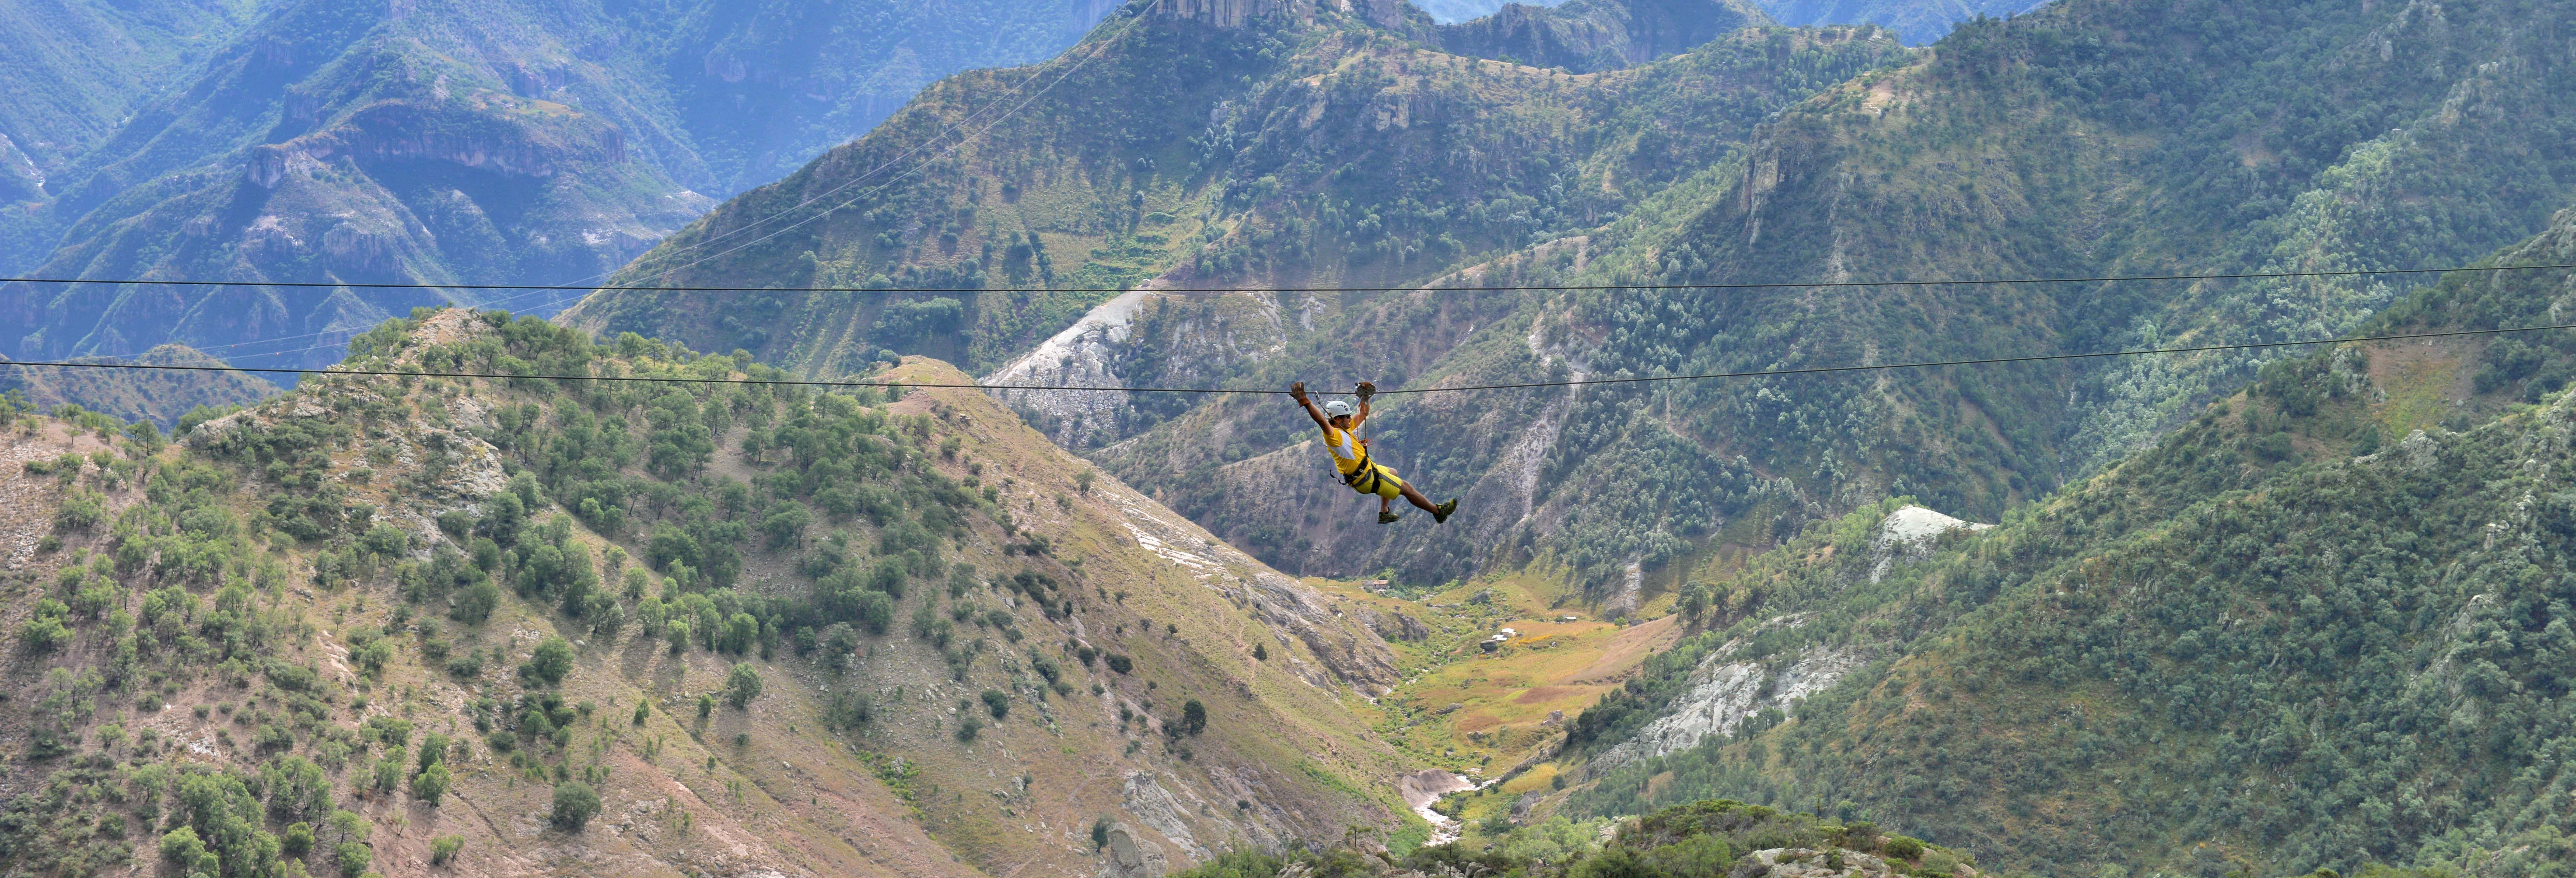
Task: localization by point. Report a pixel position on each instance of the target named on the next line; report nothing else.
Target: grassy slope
(897, 795)
(2246, 647)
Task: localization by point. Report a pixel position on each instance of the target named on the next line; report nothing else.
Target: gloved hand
(1297, 391)
(1365, 390)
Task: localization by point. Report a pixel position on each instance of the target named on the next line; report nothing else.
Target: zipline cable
(1516, 289)
(1765, 373)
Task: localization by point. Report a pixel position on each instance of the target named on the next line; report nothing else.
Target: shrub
(475, 603)
(1898, 847)
(551, 662)
(444, 848)
(575, 804)
(742, 685)
(298, 839)
(354, 857)
(998, 703)
(430, 785)
(969, 727)
(1120, 663)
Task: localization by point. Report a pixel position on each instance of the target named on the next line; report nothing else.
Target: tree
(742, 685)
(431, 784)
(353, 858)
(298, 839)
(575, 804)
(1693, 603)
(998, 703)
(444, 848)
(350, 826)
(1193, 716)
(551, 662)
(1260, 652)
(476, 602)
(182, 846)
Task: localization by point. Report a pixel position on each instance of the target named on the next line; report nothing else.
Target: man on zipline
(1351, 456)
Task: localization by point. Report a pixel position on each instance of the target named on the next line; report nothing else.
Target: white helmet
(1336, 408)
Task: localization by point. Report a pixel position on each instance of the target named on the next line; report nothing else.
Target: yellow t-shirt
(1344, 448)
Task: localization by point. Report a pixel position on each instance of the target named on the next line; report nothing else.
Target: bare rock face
(1146, 798)
(1350, 652)
(1395, 626)
(1132, 857)
(1424, 787)
(1807, 863)
(1910, 534)
(1724, 694)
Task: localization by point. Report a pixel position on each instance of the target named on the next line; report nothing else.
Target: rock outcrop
(1724, 694)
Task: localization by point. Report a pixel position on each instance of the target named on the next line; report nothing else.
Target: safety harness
(1363, 478)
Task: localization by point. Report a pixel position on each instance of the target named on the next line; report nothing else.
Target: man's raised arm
(1298, 391)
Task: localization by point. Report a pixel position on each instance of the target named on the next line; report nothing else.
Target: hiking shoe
(1441, 514)
(1388, 518)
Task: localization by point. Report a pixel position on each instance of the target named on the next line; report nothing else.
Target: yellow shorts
(1385, 483)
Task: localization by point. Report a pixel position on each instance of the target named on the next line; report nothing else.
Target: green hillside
(2069, 142)
(2318, 626)
(1321, 150)
(137, 395)
(423, 625)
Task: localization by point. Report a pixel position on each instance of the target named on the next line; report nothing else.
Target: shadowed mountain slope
(541, 143)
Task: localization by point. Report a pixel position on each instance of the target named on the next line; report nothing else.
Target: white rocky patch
(1909, 534)
(1080, 356)
(1723, 695)
(1149, 802)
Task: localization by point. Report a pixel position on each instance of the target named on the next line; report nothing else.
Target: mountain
(432, 625)
(1916, 21)
(138, 395)
(80, 68)
(2068, 142)
(478, 142)
(1386, 162)
(78, 71)
(2318, 626)
(2063, 143)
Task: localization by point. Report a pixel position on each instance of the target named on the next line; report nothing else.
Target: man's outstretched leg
(1439, 512)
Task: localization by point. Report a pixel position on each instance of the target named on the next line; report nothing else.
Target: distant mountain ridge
(162, 397)
(473, 142)
(1916, 21)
